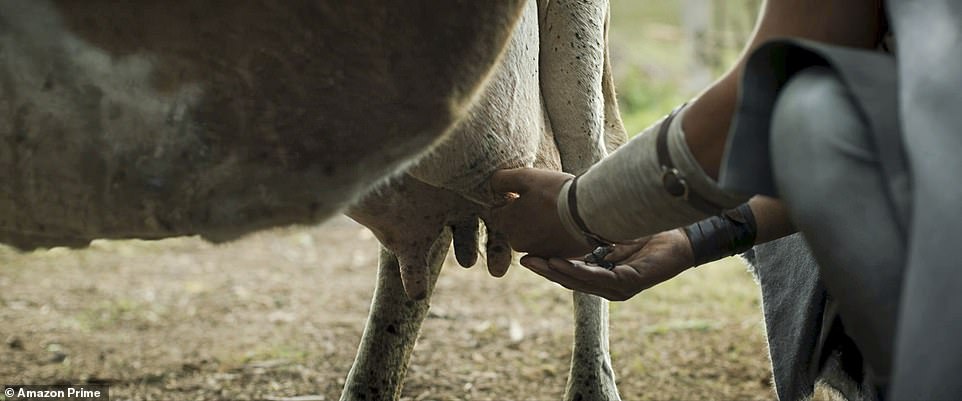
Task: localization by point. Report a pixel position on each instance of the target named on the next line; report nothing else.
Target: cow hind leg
(591, 376)
(391, 330)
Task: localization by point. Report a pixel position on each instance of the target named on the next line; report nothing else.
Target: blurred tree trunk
(715, 32)
(696, 26)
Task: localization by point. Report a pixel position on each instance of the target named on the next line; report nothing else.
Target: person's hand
(531, 220)
(639, 265)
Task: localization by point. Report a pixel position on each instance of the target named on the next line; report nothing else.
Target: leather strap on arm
(672, 179)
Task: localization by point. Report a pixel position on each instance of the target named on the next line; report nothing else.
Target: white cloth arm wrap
(622, 197)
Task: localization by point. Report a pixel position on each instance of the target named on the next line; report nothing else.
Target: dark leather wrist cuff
(732, 232)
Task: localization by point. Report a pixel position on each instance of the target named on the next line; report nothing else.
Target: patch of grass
(723, 289)
(643, 101)
(676, 325)
(118, 312)
(647, 56)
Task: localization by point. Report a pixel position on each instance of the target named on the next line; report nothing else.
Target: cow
(151, 121)
(550, 103)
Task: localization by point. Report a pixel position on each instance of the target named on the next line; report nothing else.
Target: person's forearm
(759, 220)
(771, 219)
(651, 184)
(638, 191)
(853, 23)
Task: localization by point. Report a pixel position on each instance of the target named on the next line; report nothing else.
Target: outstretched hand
(639, 265)
(530, 219)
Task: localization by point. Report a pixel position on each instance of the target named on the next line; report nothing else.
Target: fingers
(543, 268)
(576, 276)
(514, 180)
(534, 263)
(641, 264)
(580, 270)
(530, 221)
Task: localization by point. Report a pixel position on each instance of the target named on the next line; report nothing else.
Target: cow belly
(92, 147)
(151, 121)
(505, 128)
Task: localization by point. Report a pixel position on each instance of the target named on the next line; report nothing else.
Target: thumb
(516, 180)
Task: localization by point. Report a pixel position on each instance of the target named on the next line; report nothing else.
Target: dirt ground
(279, 314)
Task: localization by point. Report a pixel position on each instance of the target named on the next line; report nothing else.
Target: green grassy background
(652, 59)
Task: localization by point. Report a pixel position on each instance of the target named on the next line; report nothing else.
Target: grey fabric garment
(869, 76)
(928, 352)
(793, 302)
(925, 192)
(843, 175)
(929, 349)
(806, 342)
(829, 174)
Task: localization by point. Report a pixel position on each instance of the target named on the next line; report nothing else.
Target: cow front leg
(391, 330)
(580, 101)
(591, 376)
